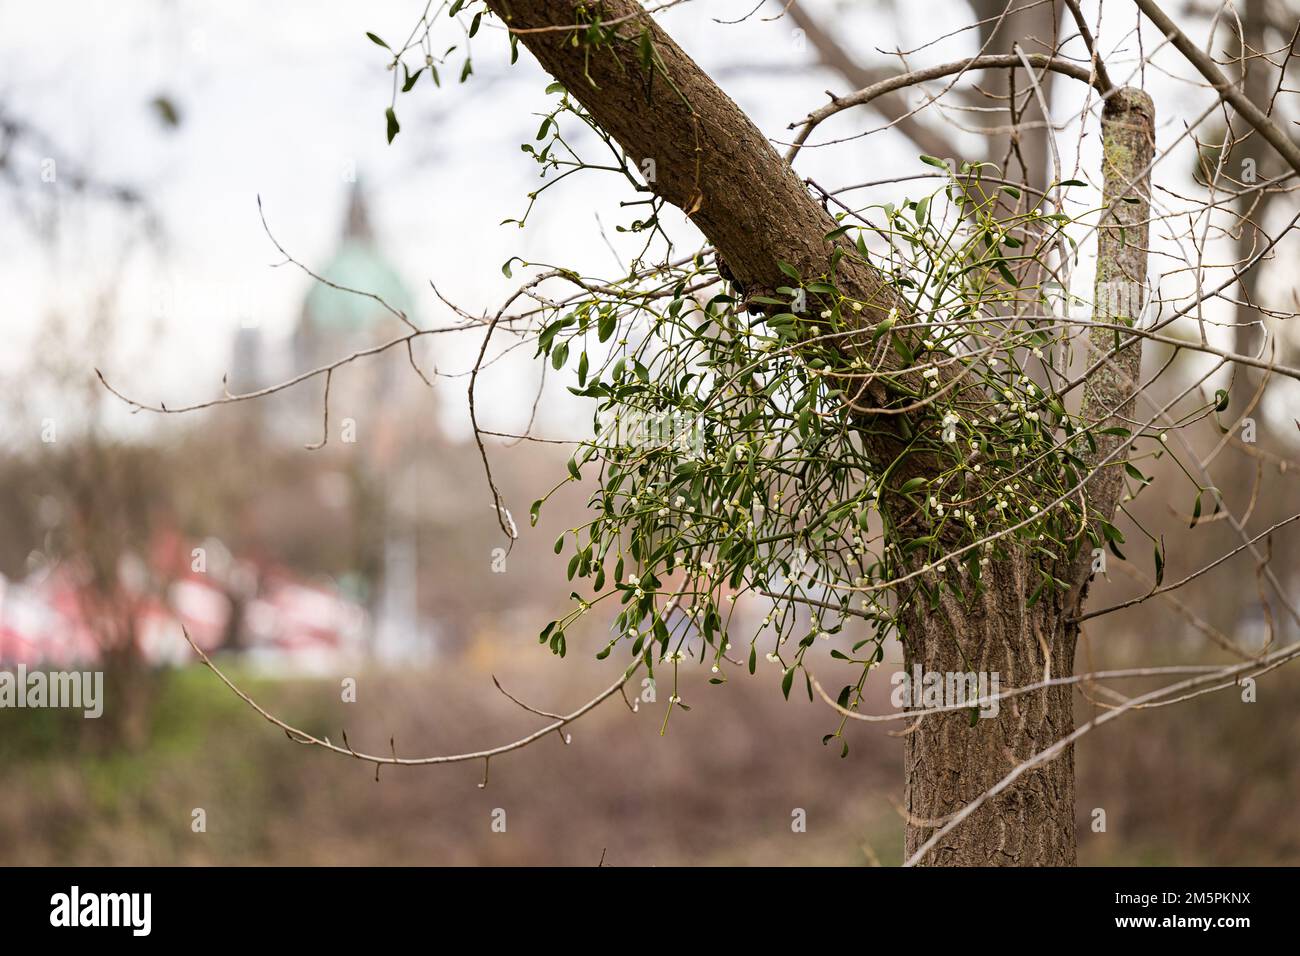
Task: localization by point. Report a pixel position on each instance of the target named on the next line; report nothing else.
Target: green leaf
(605, 326)
(573, 469)
(375, 39)
(1136, 475)
(393, 127)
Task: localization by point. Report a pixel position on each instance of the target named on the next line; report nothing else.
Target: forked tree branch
(985, 61)
(833, 55)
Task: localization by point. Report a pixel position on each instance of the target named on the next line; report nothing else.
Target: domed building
(365, 480)
(332, 317)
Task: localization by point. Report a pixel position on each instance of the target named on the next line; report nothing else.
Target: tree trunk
(950, 759)
(714, 164)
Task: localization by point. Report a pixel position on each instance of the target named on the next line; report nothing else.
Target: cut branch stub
(1128, 144)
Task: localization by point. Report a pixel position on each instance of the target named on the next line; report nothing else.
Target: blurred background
(136, 141)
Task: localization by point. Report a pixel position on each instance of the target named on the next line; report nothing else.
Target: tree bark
(712, 162)
(951, 759)
(1128, 143)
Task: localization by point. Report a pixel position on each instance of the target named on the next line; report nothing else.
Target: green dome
(357, 265)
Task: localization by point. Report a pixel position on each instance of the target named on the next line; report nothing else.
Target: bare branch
(1228, 90)
(302, 737)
